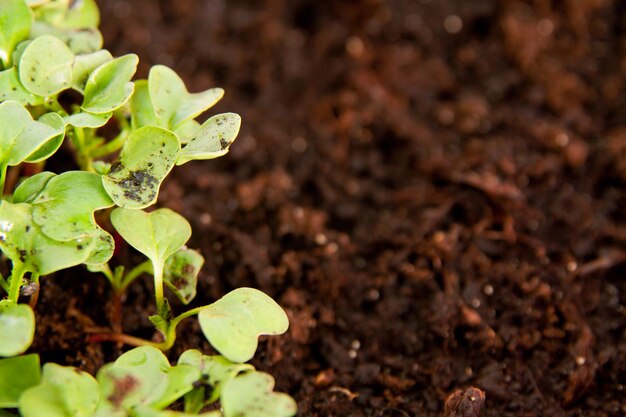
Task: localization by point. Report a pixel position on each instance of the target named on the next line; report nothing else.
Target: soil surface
(433, 190)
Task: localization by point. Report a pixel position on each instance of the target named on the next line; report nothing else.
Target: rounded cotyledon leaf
(64, 391)
(30, 188)
(148, 155)
(86, 119)
(180, 273)
(108, 86)
(22, 241)
(233, 323)
(16, 376)
(12, 89)
(172, 103)
(51, 146)
(17, 327)
(251, 395)
(212, 139)
(65, 208)
(85, 64)
(15, 22)
(45, 67)
(157, 235)
(20, 135)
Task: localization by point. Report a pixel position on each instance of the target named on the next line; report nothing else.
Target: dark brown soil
(433, 189)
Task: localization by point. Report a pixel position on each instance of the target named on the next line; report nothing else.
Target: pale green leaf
(45, 68)
(17, 326)
(251, 395)
(108, 86)
(213, 139)
(84, 65)
(86, 119)
(148, 155)
(79, 41)
(51, 146)
(103, 248)
(16, 376)
(65, 208)
(181, 273)
(141, 110)
(233, 323)
(12, 89)
(30, 188)
(15, 23)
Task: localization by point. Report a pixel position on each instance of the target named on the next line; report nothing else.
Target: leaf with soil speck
(180, 273)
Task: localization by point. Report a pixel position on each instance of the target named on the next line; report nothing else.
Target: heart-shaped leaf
(84, 65)
(86, 119)
(215, 370)
(30, 188)
(12, 89)
(17, 327)
(64, 391)
(109, 87)
(16, 376)
(65, 208)
(233, 323)
(51, 146)
(181, 273)
(251, 395)
(20, 135)
(213, 139)
(22, 241)
(15, 23)
(45, 68)
(148, 155)
(157, 235)
(173, 104)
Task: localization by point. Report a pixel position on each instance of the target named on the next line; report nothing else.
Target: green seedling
(54, 221)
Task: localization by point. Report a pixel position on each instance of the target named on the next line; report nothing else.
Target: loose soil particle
(433, 190)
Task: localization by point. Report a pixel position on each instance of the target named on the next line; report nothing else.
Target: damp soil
(434, 190)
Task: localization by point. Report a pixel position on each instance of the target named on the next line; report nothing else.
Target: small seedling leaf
(141, 110)
(181, 273)
(86, 119)
(84, 65)
(15, 23)
(30, 188)
(64, 391)
(45, 68)
(20, 135)
(213, 139)
(51, 146)
(173, 104)
(103, 248)
(16, 376)
(83, 14)
(148, 155)
(233, 323)
(17, 327)
(79, 41)
(157, 235)
(108, 86)
(12, 89)
(181, 380)
(251, 395)
(216, 370)
(65, 208)
(22, 241)
(143, 411)
(187, 130)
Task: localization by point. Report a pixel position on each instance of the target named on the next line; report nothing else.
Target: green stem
(110, 147)
(143, 268)
(4, 284)
(84, 158)
(3, 177)
(158, 286)
(17, 274)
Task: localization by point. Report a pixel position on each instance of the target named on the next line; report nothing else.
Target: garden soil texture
(434, 191)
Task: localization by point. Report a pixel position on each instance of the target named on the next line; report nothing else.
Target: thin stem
(110, 147)
(126, 339)
(158, 286)
(4, 284)
(142, 268)
(17, 274)
(3, 177)
(84, 158)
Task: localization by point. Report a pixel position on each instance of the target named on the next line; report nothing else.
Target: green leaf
(79, 41)
(22, 241)
(109, 87)
(65, 208)
(141, 110)
(143, 411)
(82, 14)
(215, 370)
(157, 235)
(181, 273)
(103, 248)
(16, 376)
(86, 119)
(15, 23)
(46, 66)
(173, 104)
(181, 380)
(213, 139)
(12, 89)
(187, 130)
(84, 65)
(51, 146)
(233, 323)
(20, 135)
(17, 327)
(148, 155)
(251, 395)
(30, 188)
(64, 391)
